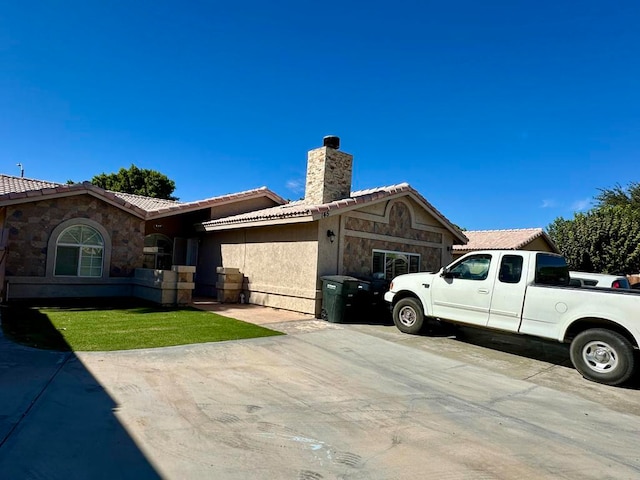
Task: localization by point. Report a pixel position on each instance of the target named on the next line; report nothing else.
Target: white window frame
(53, 240)
(86, 253)
(397, 253)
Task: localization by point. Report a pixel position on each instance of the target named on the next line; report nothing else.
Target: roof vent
(331, 141)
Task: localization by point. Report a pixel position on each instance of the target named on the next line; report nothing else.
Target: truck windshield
(551, 270)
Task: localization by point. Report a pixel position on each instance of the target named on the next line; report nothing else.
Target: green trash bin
(341, 295)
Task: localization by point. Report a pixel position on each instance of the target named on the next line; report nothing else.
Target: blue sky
(502, 114)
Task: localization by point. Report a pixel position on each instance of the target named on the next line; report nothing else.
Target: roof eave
(255, 223)
(52, 193)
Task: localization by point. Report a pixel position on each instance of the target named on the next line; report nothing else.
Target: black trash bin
(379, 309)
(342, 297)
(372, 306)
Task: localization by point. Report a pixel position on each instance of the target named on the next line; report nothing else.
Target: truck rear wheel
(408, 315)
(603, 356)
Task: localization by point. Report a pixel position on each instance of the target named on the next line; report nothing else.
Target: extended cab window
(510, 269)
(551, 270)
(475, 267)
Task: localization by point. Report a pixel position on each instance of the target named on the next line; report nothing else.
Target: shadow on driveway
(57, 421)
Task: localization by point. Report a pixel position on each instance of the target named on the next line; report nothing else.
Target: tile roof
(156, 207)
(501, 239)
(146, 203)
(27, 189)
(308, 212)
(10, 184)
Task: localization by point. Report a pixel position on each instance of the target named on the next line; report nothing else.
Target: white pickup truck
(528, 293)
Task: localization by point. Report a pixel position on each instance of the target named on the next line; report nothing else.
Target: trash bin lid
(339, 278)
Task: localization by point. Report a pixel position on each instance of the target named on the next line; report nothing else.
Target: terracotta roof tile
(501, 239)
(300, 209)
(16, 188)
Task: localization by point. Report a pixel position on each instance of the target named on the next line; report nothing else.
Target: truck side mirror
(445, 273)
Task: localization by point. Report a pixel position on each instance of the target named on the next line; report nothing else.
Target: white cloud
(548, 203)
(296, 186)
(580, 205)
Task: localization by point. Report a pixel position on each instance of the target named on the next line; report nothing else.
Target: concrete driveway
(324, 402)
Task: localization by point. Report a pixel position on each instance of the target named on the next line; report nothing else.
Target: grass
(125, 326)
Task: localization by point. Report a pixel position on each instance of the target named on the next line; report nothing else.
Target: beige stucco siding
(283, 264)
(279, 264)
(539, 244)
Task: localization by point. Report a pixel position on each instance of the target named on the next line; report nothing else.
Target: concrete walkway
(250, 313)
(325, 402)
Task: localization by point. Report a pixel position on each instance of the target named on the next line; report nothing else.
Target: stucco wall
(283, 264)
(539, 244)
(279, 264)
(30, 225)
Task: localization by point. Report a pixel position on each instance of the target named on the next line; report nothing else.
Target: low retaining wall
(165, 287)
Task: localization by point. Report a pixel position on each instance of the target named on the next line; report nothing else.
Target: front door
(464, 293)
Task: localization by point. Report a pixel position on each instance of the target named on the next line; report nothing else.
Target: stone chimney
(328, 173)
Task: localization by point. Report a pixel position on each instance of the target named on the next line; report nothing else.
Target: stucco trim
(53, 238)
(388, 238)
(341, 245)
(386, 218)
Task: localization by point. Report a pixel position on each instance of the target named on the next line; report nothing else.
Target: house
(83, 241)
(283, 251)
(515, 239)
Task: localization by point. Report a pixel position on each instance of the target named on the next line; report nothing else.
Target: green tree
(139, 181)
(619, 196)
(606, 238)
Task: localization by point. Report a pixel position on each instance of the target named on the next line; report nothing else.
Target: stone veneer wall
(30, 226)
(399, 226)
(328, 175)
(358, 251)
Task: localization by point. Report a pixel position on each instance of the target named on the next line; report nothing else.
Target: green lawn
(124, 327)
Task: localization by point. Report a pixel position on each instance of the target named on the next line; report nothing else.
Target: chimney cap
(331, 141)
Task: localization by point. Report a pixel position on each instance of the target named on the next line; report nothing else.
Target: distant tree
(138, 181)
(606, 238)
(619, 196)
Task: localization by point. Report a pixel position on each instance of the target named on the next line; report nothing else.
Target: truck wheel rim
(600, 356)
(407, 316)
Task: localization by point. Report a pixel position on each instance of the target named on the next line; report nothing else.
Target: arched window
(79, 252)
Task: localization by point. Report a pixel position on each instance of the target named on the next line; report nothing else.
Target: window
(510, 269)
(79, 252)
(158, 252)
(472, 268)
(393, 264)
(551, 270)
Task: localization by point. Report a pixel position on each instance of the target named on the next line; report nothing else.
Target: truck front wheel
(408, 315)
(603, 356)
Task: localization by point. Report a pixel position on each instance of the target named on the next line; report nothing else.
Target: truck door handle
(483, 290)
